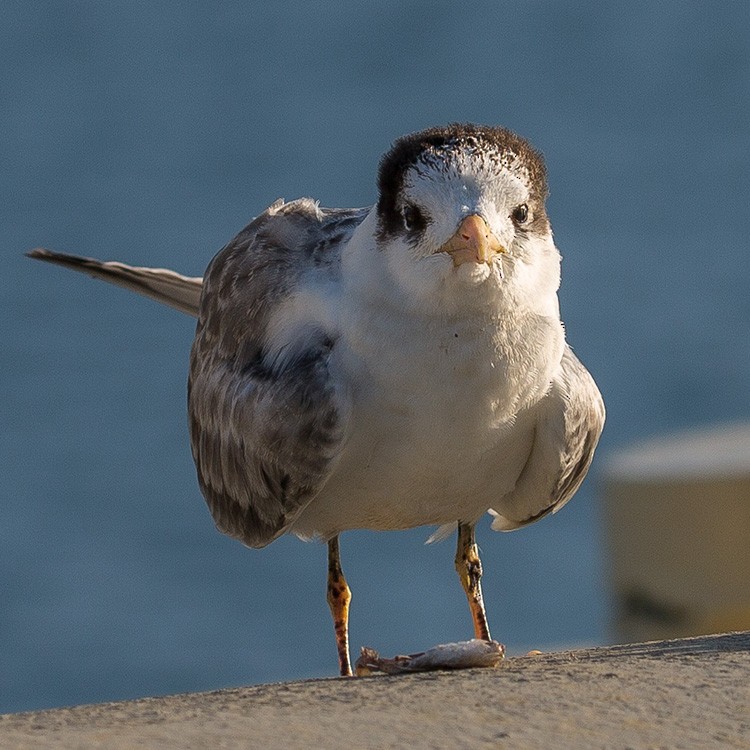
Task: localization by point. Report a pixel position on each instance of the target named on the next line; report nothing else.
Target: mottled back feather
(264, 436)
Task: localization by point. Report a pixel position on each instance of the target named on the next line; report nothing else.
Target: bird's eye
(413, 218)
(520, 214)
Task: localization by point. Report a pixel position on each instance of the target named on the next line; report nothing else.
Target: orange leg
(339, 597)
(469, 568)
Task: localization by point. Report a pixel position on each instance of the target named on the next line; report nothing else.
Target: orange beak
(473, 242)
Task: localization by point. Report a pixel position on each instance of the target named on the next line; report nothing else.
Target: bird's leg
(339, 597)
(469, 568)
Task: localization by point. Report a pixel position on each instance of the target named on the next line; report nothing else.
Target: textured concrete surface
(689, 693)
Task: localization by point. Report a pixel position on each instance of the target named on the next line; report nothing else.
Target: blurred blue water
(152, 134)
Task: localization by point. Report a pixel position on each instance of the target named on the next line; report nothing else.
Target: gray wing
(265, 430)
(171, 288)
(569, 421)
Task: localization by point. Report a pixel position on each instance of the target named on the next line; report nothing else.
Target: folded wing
(267, 420)
(570, 420)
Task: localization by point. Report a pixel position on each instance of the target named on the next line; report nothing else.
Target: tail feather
(165, 286)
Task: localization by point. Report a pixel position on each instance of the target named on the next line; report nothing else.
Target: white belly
(438, 428)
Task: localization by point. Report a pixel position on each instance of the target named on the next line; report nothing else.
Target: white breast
(437, 429)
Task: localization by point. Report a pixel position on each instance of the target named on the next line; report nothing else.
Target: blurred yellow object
(677, 514)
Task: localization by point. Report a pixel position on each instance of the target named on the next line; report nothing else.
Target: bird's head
(464, 204)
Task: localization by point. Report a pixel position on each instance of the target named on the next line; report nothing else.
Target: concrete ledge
(679, 694)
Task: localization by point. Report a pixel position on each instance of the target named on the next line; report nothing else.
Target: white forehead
(468, 179)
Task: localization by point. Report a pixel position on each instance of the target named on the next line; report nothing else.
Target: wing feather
(569, 422)
(266, 431)
(165, 286)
